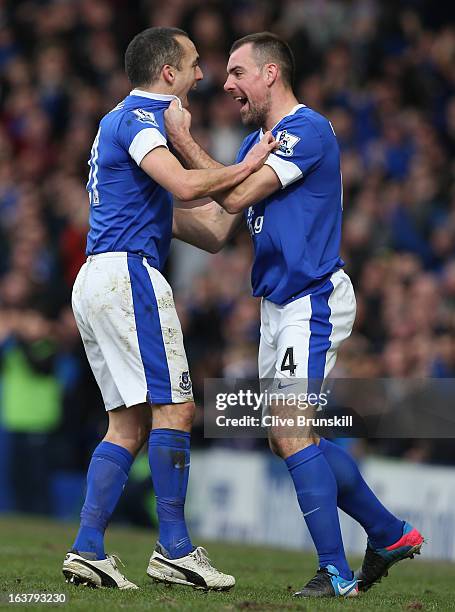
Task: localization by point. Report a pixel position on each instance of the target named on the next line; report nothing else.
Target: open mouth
(242, 101)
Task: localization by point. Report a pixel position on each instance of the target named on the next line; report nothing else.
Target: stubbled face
(246, 84)
(189, 72)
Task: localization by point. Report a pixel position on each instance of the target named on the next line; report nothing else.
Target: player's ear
(168, 73)
(271, 72)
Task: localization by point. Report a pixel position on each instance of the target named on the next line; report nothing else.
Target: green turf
(31, 554)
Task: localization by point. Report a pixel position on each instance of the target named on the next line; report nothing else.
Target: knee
(129, 429)
(174, 416)
(131, 439)
(282, 447)
(185, 414)
(285, 447)
(274, 446)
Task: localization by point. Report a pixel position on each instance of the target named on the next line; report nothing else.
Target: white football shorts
(125, 312)
(300, 340)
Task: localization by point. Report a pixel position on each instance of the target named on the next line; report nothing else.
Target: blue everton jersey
(129, 211)
(296, 231)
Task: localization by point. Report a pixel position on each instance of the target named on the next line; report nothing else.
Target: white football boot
(193, 570)
(94, 573)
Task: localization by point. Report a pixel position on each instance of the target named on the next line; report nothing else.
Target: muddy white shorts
(126, 316)
(300, 340)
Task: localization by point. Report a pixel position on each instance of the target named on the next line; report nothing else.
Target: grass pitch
(32, 551)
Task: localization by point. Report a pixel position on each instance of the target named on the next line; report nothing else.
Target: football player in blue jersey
(125, 312)
(293, 208)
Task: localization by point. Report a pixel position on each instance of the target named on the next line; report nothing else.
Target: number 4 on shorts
(288, 363)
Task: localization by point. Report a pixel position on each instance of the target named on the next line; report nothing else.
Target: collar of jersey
(155, 96)
(291, 112)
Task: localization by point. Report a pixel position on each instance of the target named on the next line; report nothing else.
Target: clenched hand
(177, 121)
(261, 150)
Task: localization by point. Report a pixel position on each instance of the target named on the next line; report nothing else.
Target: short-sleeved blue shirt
(297, 231)
(129, 211)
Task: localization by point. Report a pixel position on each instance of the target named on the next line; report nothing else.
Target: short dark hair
(149, 51)
(270, 47)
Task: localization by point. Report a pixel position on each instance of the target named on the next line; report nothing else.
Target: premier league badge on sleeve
(287, 143)
(185, 381)
(145, 116)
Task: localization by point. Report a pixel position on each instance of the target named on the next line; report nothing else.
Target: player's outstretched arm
(253, 189)
(207, 227)
(186, 185)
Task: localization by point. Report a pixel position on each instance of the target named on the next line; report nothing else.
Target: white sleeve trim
(144, 142)
(286, 171)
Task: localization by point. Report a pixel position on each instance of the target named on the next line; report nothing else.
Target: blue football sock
(316, 490)
(357, 499)
(169, 459)
(106, 477)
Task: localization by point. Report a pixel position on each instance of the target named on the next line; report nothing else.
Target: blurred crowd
(384, 74)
